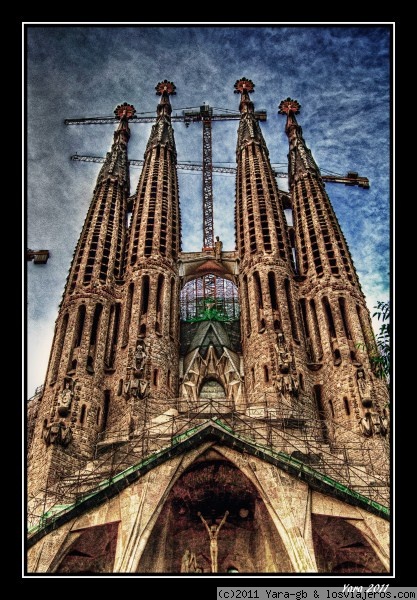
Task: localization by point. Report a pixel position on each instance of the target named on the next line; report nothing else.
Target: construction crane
(39, 257)
(204, 114)
(351, 178)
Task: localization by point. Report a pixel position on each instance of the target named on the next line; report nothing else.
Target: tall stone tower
(270, 336)
(223, 395)
(334, 316)
(76, 396)
(147, 351)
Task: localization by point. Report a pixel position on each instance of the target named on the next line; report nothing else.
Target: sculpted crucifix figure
(213, 531)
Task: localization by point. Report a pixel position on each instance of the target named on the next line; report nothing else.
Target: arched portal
(341, 548)
(247, 540)
(92, 552)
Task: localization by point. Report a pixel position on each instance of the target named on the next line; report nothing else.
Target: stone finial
(165, 87)
(289, 105)
(244, 85)
(124, 110)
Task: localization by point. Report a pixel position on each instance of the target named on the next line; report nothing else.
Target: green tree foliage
(380, 351)
(381, 357)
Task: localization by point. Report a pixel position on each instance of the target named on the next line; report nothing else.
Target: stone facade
(127, 379)
(287, 526)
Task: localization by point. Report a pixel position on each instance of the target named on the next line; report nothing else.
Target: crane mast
(206, 115)
(208, 222)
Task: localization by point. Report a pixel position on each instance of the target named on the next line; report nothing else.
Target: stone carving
(365, 389)
(384, 424)
(140, 355)
(284, 362)
(143, 389)
(281, 339)
(57, 433)
(65, 398)
(373, 424)
(137, 386)
(284, 358)
(376, 423)
(213, 531)
(288, 385)
(185, 561)
(189, 562)
(218, 246)
(366, 425)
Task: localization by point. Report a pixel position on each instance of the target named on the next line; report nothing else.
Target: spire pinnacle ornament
(289, 105)
(244, 85)
(165, 87)
(124, 110)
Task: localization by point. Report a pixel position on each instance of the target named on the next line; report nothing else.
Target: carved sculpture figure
(57, 433)
(366, 425)
(218, 246)
(284, 362)
(136, 385)
(284, 358)
(140, 356)
(185, 561)
(213, 531)
(365, 389)
(65, 400)
(188, 562)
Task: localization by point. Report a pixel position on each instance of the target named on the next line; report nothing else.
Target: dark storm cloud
(340, 75)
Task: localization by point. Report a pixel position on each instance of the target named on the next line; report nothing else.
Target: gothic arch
(213, 485)
(93, 551)
(201, 266)
(341, 548)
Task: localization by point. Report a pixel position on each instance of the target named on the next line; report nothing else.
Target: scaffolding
(346, 462)
(221, 293)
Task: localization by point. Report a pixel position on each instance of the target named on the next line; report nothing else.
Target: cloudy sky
(339, 74)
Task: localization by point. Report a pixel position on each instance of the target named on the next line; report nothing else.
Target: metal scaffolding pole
(208, 227)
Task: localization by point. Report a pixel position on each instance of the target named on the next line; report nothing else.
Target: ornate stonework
(249, 435)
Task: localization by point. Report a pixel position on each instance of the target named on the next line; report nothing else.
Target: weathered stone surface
(293, 375)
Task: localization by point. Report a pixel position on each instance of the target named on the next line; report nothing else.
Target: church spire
(101, 263)
(116, 165)
(260, 221)
(162, 133)
(75, 401)
(300, 159)
(321, 246)
(155, 226)
(269, 324)
(333, 309)
(249, 129)
(151, 317)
